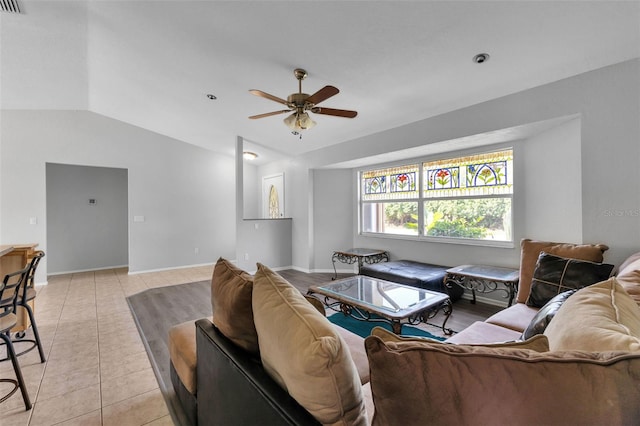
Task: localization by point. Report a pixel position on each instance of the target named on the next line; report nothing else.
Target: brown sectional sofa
(510, 323)
(584, 369)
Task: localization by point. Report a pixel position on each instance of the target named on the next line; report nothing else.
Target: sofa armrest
(233, 387)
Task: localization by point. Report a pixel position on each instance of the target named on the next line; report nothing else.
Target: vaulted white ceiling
(152, 63)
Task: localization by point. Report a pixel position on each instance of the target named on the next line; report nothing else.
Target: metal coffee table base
(396, 324)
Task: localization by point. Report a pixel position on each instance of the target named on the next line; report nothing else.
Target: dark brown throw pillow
(541, 320)
(231, 291)
(554, 275)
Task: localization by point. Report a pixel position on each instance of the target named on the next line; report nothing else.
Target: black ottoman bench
(417, 274)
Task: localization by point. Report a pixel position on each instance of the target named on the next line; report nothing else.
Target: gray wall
(601, 208)
(83, 236)
(547, 168)
(182, 191)
(252, 193)
(265, 241)
(334, 192)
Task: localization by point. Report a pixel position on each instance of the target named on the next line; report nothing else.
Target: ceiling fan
(301, 103)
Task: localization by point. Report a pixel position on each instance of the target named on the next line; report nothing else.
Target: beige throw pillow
(302, 351)
(438, 384)
(530, 250)
(629, 276)
(231, 289)
(601, 317)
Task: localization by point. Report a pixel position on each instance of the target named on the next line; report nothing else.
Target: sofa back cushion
(538, 343)
(629, 276)
(304, 353)
(231, 289)
(530, 251)
(601, 317)
(421, 382)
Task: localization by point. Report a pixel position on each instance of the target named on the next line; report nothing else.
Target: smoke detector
(481, 58)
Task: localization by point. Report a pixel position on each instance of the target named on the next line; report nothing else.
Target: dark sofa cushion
(554, 275)
(544, 316)
(417, 274)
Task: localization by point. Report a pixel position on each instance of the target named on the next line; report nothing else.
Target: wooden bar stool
(9, 292)
(27, 294)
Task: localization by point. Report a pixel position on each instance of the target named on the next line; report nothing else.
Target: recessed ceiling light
(248, 155)
(212, 97)
(481, 58)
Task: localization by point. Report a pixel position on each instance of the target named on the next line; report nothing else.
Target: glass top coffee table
(372, 299)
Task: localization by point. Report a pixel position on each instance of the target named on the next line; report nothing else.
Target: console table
(13, 258)
(484, 279)
(360, 255)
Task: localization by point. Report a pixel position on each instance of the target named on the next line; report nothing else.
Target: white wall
(252, 194)
(183, 191)
(47, 58)
(266, 241)
(608, 103)
(333, 201)
(272, 245)
(552, 185)
(80, 235)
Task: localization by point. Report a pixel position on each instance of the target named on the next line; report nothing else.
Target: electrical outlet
(196, 250)
(246, 256)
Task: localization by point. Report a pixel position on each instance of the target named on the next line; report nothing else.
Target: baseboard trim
(79, 271)
(485, 300)
(170, 268)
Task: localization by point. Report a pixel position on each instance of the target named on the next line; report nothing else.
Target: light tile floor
(97, 370)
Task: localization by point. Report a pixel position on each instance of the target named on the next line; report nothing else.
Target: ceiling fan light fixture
(299, 121)
(299, 103)
(305, 121)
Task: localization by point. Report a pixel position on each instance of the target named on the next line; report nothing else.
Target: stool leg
(36, 335)
(16, 368)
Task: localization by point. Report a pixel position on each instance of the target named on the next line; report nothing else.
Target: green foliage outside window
(402, 214)
(470, 218)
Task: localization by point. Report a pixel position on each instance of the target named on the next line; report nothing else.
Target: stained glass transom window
(475, 175)
(390, 183)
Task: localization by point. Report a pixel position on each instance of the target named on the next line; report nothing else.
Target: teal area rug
(363, 328)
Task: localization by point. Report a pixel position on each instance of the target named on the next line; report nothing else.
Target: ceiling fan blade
(262, 94)
(269, 114)
(337, 112)
(323, 94)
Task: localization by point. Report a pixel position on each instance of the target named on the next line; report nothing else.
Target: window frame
(421, 199)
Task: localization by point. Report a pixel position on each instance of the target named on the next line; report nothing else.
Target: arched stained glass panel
(375, 185)
(403, 182)
(443, 178)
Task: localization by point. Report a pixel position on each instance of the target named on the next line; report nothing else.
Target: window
(390, 200)
(460, 198)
